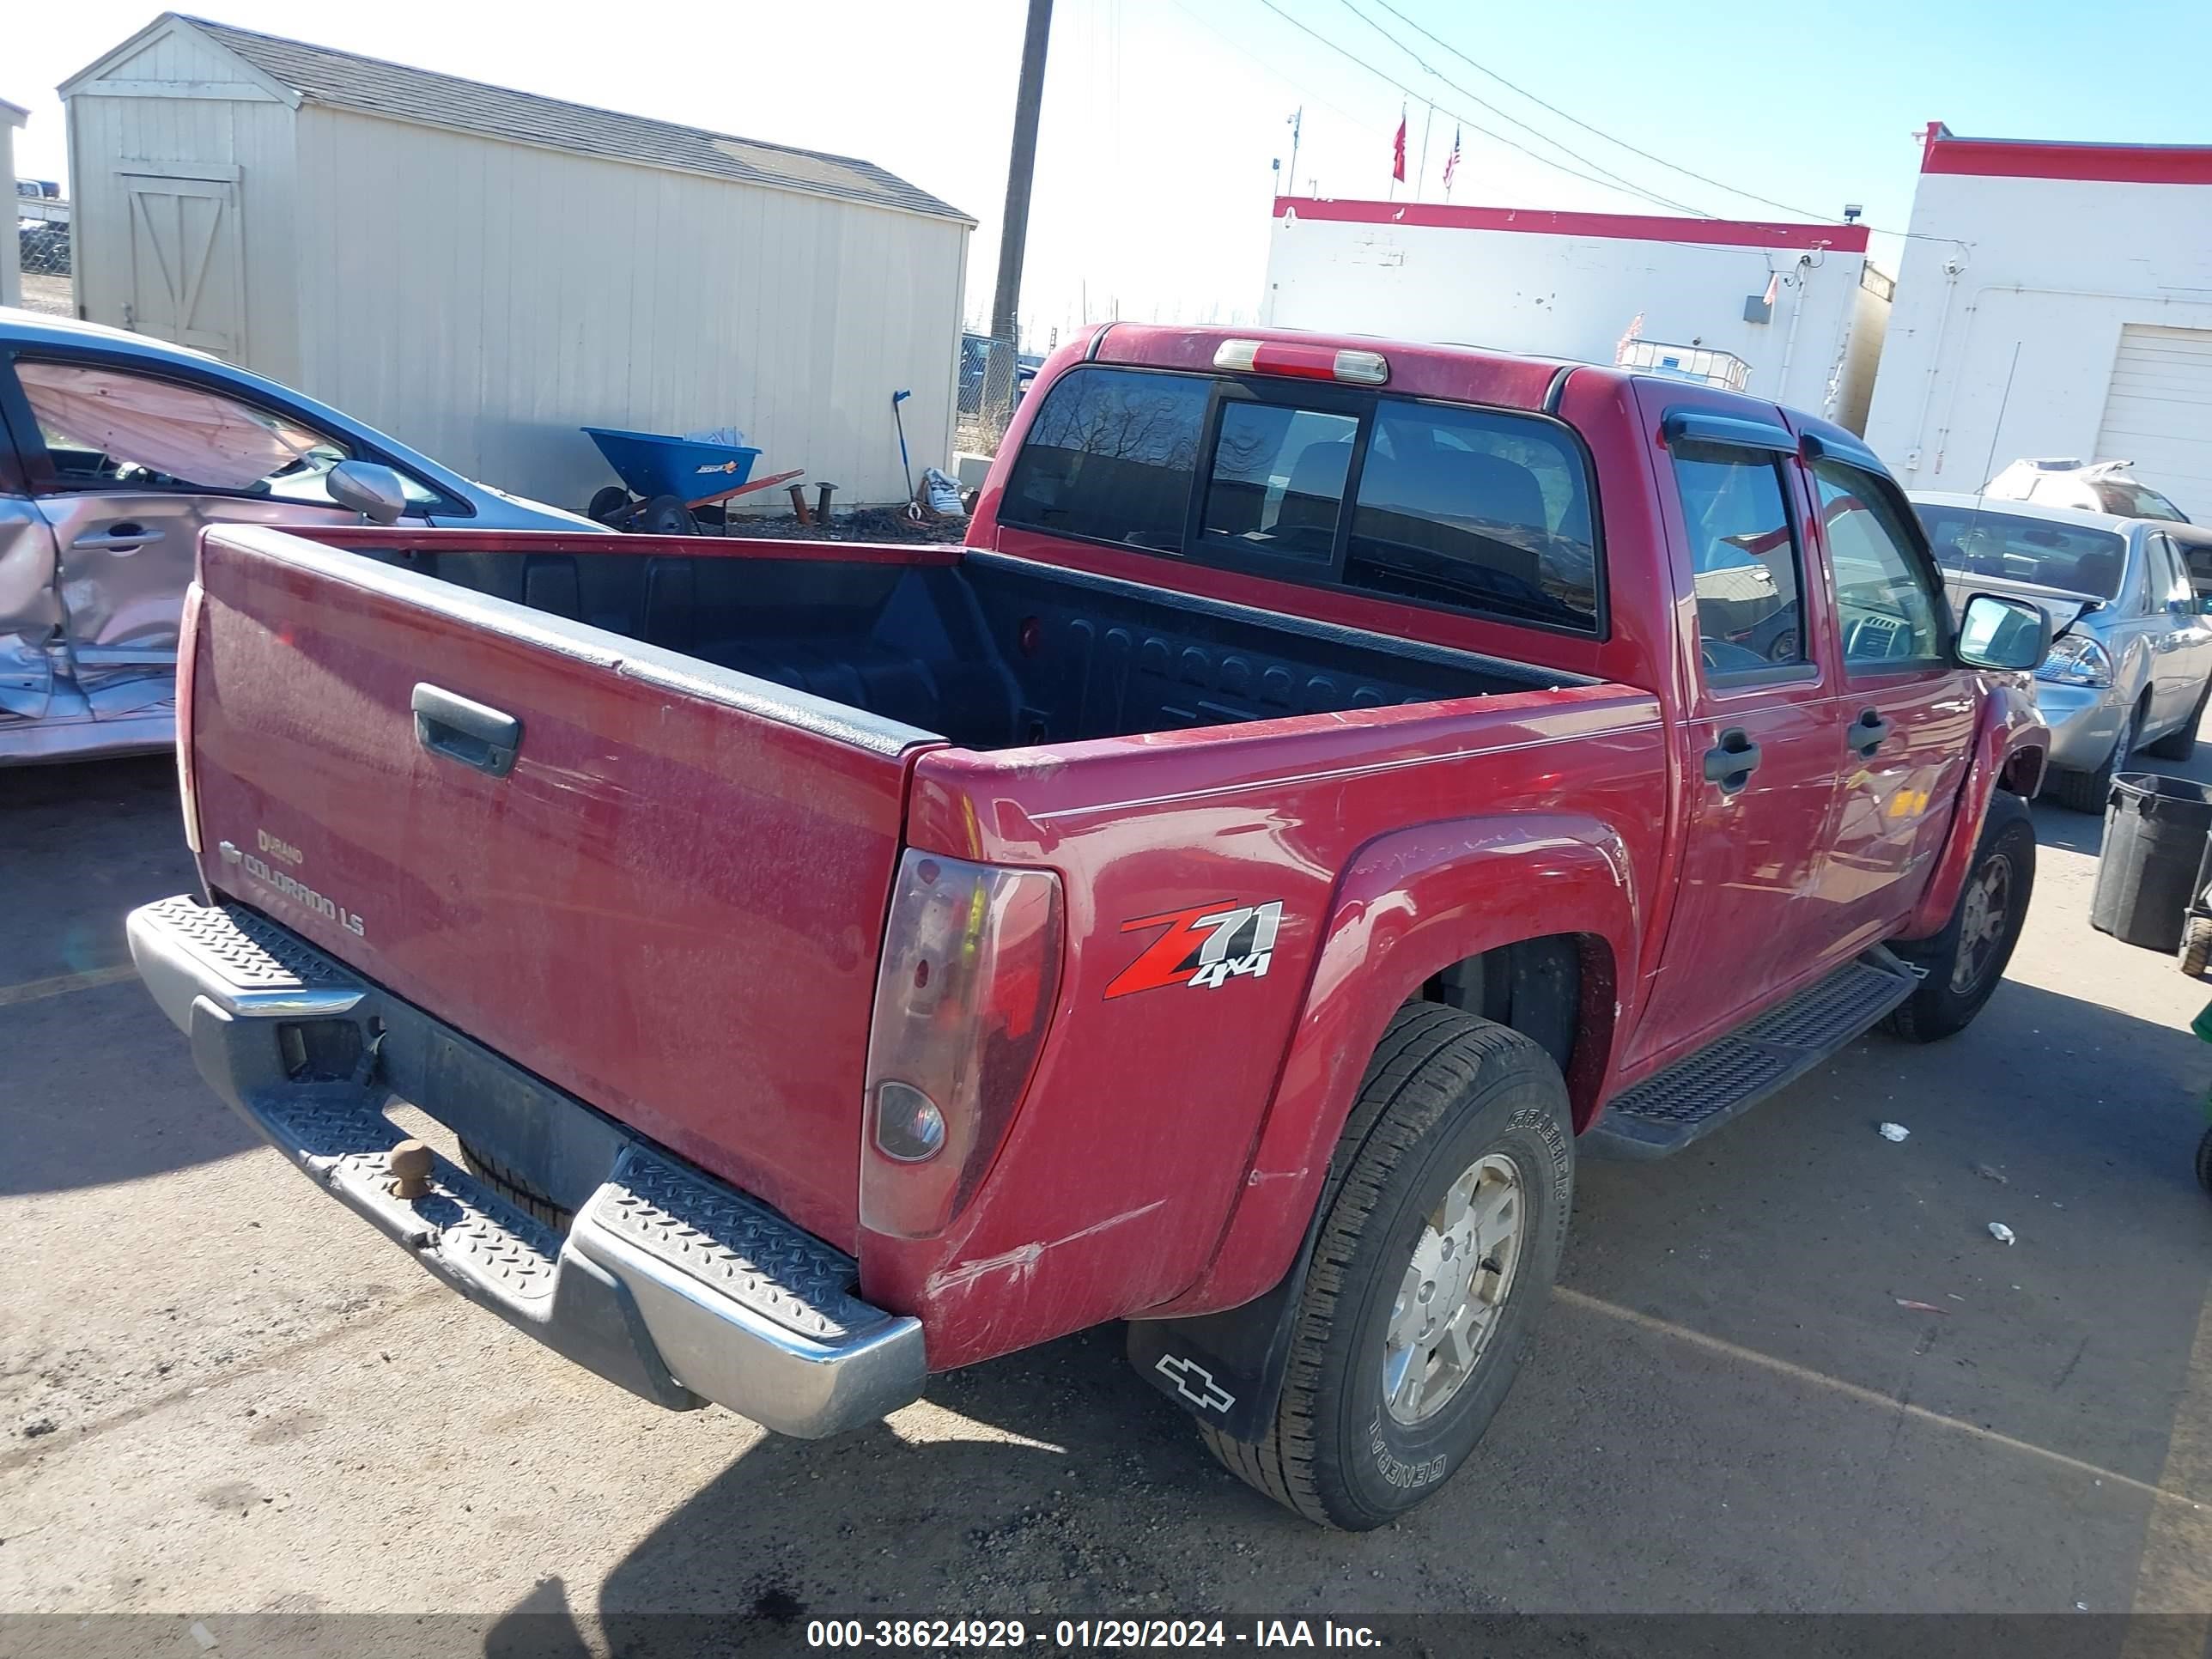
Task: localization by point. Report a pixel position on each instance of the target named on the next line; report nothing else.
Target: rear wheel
(2088, 792)
(1962, 965)
(1439, 1243)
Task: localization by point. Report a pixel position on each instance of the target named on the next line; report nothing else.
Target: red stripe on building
(2031, 158)
(1625, 227)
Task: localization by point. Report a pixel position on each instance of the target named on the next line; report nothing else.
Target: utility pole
(1014, 229)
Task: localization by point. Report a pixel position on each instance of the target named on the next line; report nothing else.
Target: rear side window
(1487, 511)
(1111, 456)
(1463, 506)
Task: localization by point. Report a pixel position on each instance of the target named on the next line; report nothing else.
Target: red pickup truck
(1333, 778)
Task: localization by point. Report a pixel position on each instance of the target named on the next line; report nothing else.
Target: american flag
(1451, 164)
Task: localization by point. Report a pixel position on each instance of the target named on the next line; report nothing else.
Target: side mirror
(375, 492)
(1994, 632)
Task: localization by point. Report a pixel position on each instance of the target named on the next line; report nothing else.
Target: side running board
(1699, 1092)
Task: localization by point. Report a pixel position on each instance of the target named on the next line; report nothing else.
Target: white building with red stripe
(2054, 299)
(1793, 313)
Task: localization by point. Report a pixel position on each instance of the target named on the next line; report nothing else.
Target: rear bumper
(671, 1284)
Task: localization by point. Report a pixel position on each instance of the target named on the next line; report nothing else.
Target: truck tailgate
(671, 905)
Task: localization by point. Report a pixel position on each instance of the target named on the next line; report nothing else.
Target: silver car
(2131, 667)
(115, 451)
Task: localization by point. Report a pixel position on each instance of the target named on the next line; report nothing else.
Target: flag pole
(1298, 119)
(1422, 177)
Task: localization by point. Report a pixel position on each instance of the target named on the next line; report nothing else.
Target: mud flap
(1226, 1369)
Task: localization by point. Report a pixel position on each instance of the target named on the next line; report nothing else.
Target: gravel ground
(222, 1397)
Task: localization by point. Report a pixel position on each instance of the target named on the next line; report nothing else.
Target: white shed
(481, 272)
(11, 276)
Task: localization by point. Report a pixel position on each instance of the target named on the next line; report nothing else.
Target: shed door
(186, 279)
(2158, 413)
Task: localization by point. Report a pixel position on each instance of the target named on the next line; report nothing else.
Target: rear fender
(2010, 750)
(1412, 904)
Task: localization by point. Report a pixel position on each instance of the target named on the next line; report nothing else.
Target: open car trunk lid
(669, 903)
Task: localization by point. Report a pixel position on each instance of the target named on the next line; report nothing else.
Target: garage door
(2158, 413)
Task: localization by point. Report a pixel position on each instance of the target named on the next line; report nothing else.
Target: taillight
(971, 967)
(188, 638)
(1308, 362)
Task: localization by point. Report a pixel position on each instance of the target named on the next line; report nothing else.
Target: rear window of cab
(1481, 510)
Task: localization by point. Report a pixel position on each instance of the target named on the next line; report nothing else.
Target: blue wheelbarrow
(671, 480)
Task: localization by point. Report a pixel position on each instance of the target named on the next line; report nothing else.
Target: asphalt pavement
(1789, 1371)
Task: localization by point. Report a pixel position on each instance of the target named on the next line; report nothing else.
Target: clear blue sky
(1162, 116)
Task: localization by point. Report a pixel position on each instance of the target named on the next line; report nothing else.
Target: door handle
(116, 538)
(456, 729)
(1731, 761)
(1868, 732)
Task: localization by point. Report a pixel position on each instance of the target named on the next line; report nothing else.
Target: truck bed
(985, 650)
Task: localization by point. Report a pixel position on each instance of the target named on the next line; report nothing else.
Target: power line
(1431, 71)
(1469, 121)
(1298, 87)
(1672, 166)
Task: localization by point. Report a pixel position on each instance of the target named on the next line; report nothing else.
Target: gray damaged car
(115, 451)
(2131, 667)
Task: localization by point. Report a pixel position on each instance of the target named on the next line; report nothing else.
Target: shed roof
(347, 80)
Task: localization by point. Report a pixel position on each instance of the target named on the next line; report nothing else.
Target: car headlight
(2077, 660)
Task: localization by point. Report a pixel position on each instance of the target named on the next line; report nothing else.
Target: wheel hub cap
(1981, 922)
(1455, 1289)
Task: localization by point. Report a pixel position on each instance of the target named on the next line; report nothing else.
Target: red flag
(1398, 156)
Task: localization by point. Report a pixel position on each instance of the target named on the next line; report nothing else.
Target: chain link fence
(988, 378)
(43, 247)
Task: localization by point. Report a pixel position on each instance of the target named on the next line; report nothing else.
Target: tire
(1954, 989)
(606, 501)
(504, 1181)
(2181, 743)
(664, 515)
(2195, 952)
(2089, 792)
(2205, 1162)
(1448, 1099)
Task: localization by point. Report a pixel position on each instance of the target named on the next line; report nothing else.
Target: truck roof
(1510, 380)
(1507, 379)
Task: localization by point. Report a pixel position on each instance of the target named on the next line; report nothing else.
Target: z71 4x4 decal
(1205, 946)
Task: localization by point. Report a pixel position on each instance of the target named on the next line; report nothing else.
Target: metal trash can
(2156, 831)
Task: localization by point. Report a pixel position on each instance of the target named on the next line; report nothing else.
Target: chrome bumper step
(669, 1283)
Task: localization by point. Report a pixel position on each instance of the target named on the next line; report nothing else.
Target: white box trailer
(1796, 304)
